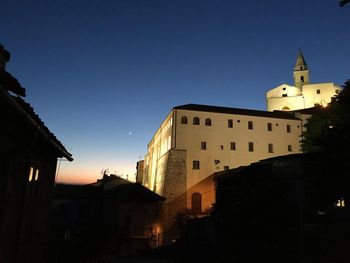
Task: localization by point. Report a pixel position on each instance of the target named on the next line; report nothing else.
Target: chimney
(4, 57)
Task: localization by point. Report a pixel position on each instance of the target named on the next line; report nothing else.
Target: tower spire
(301, 63)
(301, 71)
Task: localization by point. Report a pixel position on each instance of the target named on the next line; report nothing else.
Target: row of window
(250, 146)
(196, 121)
(196, 165)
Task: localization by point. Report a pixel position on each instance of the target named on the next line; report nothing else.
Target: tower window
(203, 145)
(233, 146)
(288, 128)
(251, 147)
(195, 165)
(250, 125)
(270, 148)
(269, 126)
(207, 122)
(195, 121)
(284, 95)
(183, 120)
(318, 91)
(302, 78)
(230, 123)
(289, 148)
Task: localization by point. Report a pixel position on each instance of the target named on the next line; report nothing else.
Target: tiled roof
(236, 111)
(26, 106)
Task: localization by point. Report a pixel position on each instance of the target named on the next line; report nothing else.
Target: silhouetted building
(111, 216)
(290, 209)
(139, 171)
(28, 159)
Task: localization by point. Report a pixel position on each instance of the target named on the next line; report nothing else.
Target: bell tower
(301, 71)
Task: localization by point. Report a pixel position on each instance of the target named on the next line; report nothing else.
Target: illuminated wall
(228, 147)
(209, 142)
(155, 159)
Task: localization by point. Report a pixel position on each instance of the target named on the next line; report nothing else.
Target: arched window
(183, 120)
(195, 121)
(285, 108)
(207, 122)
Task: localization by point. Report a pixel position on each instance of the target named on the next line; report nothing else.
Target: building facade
(195, 141)
(303, 94)
(28, 160)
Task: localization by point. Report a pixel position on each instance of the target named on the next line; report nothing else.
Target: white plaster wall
(327, 91)
(189, 137)
(280, 103)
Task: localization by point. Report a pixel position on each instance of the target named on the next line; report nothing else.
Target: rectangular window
(289, 148)
(251, 147)
(226, 167)
(203, 145)
(221, 147)
(195, 165)
(250, 125)
(233, 146)
(269, 126)
(270, 148)
(288, 128)
(318, 91)
(230, 123)
(284, 95)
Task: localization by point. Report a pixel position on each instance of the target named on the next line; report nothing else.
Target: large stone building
(195, 141)
(303, 94)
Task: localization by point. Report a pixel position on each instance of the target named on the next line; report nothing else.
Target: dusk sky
(103, 75)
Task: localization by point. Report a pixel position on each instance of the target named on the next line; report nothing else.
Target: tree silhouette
(328, 131)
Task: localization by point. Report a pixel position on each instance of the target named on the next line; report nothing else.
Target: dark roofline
(237, 111)
(28, 112)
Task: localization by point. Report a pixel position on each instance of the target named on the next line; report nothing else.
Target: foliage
(328, 131)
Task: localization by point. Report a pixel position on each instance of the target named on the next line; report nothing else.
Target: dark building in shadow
(292, 208)
(28, 159)
(110, 217)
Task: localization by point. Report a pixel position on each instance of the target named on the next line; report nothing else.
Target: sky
(103, 75)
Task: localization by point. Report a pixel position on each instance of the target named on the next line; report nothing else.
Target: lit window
(270, 148)
(203, 145)
(251, 147)
(208, 122)
(31, 174)
(250, 125)
(289, 148)
(230, 123)
(195, 121)
(183, 120)
(288, 128)
(269, 126)
(340, 202)
(36, 175)
(318, 91)
(233, 146)
(195, 165)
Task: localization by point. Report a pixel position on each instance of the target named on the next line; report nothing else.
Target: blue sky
(104, 74)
